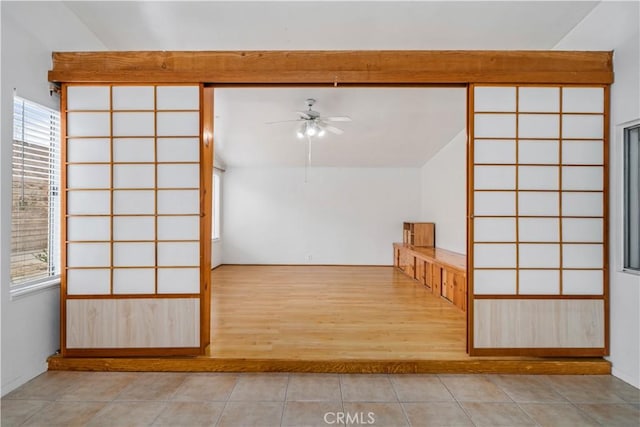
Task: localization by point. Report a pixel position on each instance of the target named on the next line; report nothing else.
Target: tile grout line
(341, 394)
(586, 414)
(284, 401)
(51, 402)
(393, 387)
(445, 387)
(165, 402)
(518, 403)
(460, 403)
(224, 408)
(160, 412)
(535, 421)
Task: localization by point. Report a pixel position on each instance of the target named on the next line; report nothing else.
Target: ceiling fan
(313, 123)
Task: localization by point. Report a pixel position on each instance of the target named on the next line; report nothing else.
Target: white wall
(217, 246)
(340, 216)
(614, 26)
(217, 249)
(30, 31)
(443, 181)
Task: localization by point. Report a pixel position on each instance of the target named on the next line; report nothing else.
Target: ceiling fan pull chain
(307, 161)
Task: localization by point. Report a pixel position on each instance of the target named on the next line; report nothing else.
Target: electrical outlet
(309, 257)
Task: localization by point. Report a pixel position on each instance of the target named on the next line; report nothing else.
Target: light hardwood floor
(324, 313)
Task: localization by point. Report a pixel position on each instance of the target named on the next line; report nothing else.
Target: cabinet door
(447, 284)
(436, 279)
(411, 266)
(396, 257)
(420, 268)
(428, 275)
(459, 291)
(403, 260)
(443, 283)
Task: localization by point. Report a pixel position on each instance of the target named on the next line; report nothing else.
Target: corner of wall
(443, 190)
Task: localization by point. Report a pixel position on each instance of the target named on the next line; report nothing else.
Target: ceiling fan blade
(284, 121)
(333, 129)
(338, 119)
(303, 115)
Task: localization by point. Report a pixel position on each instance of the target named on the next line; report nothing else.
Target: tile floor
(279, 399)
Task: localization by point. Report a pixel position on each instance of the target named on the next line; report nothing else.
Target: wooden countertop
(447, 258)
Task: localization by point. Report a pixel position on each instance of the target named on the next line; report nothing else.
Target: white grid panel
(538, 180)
(124, 143)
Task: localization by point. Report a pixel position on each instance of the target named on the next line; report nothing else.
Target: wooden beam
(329, 67)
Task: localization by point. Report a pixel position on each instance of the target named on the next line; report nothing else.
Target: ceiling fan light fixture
(301, 132)
(313, 123)
(311, 129)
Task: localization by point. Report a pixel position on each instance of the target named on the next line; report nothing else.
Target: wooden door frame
(330, 68)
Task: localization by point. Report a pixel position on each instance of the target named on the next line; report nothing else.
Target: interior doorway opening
(305, 251)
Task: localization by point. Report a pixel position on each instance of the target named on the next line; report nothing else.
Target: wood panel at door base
(132, 352)
(570, 327)
(132, 323)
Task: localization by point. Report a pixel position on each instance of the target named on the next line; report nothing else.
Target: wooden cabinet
(444, 272)
(421, 234)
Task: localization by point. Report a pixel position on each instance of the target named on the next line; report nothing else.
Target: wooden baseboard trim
(592, 366)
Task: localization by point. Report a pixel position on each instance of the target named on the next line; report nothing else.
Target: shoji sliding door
(537, 220)
(132, 195)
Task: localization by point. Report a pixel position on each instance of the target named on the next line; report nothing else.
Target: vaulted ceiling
(392, 126)
(237, 25)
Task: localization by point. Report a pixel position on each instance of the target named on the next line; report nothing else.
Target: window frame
(36, 284)
(627, 217)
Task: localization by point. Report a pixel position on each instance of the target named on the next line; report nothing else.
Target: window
(632, 198)
(35, 202)
(215, 229)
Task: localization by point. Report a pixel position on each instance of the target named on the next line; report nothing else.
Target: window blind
(35, 192)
